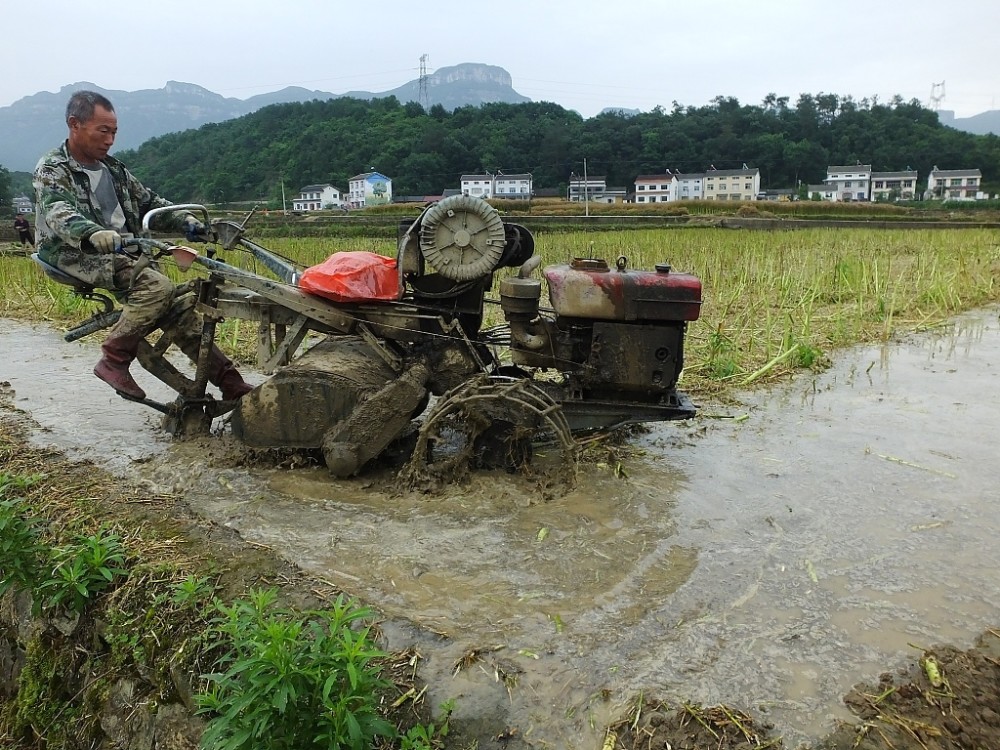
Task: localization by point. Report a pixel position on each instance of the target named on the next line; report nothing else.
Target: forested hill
(427, 152)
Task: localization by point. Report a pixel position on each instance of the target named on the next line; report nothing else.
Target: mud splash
(768, 556)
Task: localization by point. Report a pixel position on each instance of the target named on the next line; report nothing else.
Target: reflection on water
(773, 561)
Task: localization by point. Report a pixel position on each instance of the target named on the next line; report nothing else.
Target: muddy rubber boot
(224, 375)
(112, 368)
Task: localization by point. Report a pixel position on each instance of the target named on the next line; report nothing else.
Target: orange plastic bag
(354, 276)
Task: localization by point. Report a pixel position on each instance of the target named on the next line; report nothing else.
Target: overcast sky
(584, 55)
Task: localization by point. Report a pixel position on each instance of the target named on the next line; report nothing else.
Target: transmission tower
(422, 87)
(937, 98)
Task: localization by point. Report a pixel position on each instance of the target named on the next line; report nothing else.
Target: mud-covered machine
(355, 379)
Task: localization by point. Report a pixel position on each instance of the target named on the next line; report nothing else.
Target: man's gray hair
(81, 105)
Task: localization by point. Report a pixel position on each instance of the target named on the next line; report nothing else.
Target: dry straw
(774, 302)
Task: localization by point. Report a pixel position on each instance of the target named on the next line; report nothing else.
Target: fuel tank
(588, 288)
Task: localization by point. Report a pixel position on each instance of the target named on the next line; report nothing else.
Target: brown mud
(735, 576)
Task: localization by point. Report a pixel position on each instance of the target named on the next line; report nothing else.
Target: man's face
(90, 141)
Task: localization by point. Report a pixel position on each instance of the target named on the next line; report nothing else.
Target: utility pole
(586, 203)
(283, 209)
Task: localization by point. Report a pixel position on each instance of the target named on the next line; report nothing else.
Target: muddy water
(769, 555)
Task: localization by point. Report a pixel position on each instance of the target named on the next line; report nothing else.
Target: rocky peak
(472, 72)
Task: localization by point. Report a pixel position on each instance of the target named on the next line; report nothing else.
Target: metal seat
(56, 274)
(104, 318)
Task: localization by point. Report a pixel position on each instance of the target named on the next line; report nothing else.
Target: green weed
(288, 681)
(21, 552)
(428, 736)
(83, 570)
(191, 592)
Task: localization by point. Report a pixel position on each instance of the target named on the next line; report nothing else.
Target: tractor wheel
(492, 423)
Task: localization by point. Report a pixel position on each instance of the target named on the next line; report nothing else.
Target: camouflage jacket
(65, 211)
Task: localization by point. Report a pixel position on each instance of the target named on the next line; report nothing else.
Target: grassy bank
(104, 584)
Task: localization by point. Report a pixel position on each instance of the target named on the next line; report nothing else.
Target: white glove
(193, 228)
(105, 240)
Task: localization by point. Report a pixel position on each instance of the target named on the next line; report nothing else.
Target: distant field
(557, 214)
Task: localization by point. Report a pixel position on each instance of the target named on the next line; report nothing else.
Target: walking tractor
(398, 359)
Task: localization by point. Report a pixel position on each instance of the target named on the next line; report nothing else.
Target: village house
(732, 184)
(369, 189)
(955, 184)
(318, 197)
(690, 186)
(656, 188)
(477, 185)
(850, 183)
(670, 186)
(822, 191)
(512, 185)
(589, 189)
(499, 185)
(890, 186)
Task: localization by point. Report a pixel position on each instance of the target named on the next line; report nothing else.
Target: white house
(825, 192)
(369, 189)
(690, 186)
(499, 185)
(512, 185)
(613, 194)
(732, 184)
(656, 188)
(955, 184)
(477, 185)
(850, 183)
(22, 204)
(894, 185)
(593, 188)
(673, 186)
(318, 197)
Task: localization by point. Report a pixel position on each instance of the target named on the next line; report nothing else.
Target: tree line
(426, 151)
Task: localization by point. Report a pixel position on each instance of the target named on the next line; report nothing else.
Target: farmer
(23, 231)
(86, 202)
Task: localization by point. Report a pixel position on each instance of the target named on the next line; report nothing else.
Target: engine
(616, 334)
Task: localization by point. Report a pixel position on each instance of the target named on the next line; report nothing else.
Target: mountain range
(34, 124)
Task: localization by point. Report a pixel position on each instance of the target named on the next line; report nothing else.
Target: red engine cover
(589, 289)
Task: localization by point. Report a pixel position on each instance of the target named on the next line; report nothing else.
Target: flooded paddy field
(769, 554)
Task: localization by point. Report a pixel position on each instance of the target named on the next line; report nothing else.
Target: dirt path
(767, 557)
